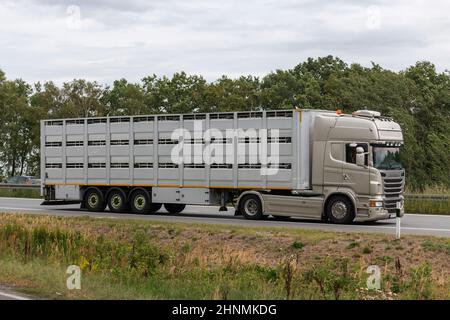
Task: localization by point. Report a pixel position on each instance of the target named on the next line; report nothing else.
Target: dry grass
(205, 261)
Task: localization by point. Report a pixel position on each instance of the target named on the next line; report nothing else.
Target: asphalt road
(411, 223)
(7, 294)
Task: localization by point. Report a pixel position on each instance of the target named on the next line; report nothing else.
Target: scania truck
(312, 164)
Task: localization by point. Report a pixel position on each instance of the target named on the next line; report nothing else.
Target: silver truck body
(133, 152)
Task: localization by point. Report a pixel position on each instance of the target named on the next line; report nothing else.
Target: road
(411, 223)
(7, 294)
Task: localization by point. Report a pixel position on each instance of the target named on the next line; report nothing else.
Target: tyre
(281, 218)
(155, 207)
(93, 200)
(174, 207)
(117, 201)
(340, 210)
(140, 202)
(251, 207)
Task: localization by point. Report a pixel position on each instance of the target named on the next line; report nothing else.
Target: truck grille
(393, 183)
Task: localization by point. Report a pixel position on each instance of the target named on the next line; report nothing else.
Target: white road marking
(28, 199)
(104, 217)
(13, 296)
(286, 223)
(375, 227)
(20, 209)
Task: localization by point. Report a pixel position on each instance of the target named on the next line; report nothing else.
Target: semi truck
(311, 164)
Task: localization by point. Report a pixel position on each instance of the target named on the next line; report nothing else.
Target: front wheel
(251, 207)
(340, 210)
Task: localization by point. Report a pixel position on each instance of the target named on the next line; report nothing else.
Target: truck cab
(354, 171)
(359, 156)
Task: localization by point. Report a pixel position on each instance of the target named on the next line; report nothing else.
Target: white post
(397, 224)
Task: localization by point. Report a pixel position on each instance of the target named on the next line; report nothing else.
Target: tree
(180, 94)
(227, 94)
(418, 98)
(16, 145)
(281, 90)
(124, 99)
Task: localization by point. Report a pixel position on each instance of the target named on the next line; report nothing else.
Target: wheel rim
(139, 202)
(339, 209)
(251, 207)
(116, 201)
(93, 200)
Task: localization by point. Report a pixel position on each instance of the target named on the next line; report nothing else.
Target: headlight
(376, 203)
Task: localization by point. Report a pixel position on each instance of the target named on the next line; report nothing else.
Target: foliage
(418, 98)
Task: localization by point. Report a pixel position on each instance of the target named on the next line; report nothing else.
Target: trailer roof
(195, 114)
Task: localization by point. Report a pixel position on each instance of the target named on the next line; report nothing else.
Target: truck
(306, 163)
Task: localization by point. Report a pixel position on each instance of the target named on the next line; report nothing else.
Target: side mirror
(360, 156)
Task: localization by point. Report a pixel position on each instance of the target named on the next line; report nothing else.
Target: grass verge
(158, 260)
(20, 193)
(426, 206)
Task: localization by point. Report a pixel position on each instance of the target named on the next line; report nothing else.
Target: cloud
(106, 40)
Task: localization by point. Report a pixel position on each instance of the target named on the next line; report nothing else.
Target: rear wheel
(140, 202)
(251, 207)
(174, 207)
(93, 200)
(340, 210)
(117, 201)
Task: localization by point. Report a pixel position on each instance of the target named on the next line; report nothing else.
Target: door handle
(346, 177)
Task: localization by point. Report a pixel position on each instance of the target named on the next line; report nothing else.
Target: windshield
(386, 158)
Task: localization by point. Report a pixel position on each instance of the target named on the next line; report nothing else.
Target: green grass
(367, 250)
(20, 193)
(428, 206)
(442, 246)
(425, 206)
(123, 259)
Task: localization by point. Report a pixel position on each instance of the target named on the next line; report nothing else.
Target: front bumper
(378, 213)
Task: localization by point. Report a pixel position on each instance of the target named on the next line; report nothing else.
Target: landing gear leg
(223, 206)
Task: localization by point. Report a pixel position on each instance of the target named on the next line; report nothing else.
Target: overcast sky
(105, 40)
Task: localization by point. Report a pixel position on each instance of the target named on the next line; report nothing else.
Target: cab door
(333, 166)
(356, 177)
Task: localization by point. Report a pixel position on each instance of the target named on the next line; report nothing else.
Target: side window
(350, 153)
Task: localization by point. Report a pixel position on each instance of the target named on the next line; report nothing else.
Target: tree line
(417, 97)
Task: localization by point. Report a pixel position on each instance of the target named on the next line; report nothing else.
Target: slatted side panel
(138, 150)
